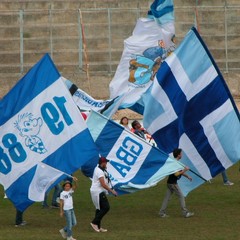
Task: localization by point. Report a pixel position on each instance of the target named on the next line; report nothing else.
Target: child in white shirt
(66, 208)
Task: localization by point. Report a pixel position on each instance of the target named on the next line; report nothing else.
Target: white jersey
(66, 196)
(96, 187)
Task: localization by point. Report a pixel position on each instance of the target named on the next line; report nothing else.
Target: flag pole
(85, 51)
(196, 17)
(198, 175)
(205, 180)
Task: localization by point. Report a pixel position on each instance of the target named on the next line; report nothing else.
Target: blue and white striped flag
(190, 106)
(134, 163)
(39, 122)
(151, 42)
(83, 100)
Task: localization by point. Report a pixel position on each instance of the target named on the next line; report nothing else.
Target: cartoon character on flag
(143, 68)
(29, 128)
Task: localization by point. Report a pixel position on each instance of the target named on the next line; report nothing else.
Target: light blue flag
(134, 163)
(189, 106)
(162, 11)
(39, 123)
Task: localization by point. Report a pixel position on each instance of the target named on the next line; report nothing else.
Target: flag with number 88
(39, 122)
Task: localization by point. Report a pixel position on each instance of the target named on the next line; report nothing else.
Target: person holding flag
(99, 189)
(174, 188)
(66, 208)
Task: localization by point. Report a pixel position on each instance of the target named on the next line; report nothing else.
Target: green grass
(135, 216)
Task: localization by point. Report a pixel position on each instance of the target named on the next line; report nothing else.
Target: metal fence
(93, 38)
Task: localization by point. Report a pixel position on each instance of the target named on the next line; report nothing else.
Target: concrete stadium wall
(28, 29)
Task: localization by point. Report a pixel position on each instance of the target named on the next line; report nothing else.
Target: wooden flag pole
(196, 16)
(85, 51)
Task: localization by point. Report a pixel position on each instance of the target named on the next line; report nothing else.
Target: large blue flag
(39, 123)
(189, 106)
(134, 163)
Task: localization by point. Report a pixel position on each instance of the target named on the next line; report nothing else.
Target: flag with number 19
(40, 123)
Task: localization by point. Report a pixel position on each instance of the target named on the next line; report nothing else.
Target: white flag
(151, 42)
(44, 177)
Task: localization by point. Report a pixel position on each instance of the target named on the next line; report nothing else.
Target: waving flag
(134, 163)
(151, 42)
(39, 122)
(83, 100)
(43, 179)
(87, 103)
(189, 106)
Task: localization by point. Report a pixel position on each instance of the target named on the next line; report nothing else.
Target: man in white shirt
(99, 190)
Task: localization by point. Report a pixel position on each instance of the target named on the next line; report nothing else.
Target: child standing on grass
(66, 208)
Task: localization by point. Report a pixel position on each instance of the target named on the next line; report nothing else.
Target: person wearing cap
(99, 190)
(66, 209)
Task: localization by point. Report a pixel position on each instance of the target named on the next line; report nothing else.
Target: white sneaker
(23, 223)
(71, 238)
(228, 183)
(103, 230)
(189, 214)
(164, 215)
(95, 227)
(63, 233)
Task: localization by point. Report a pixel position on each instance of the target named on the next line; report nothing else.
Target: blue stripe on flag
(169, 84)
(81, 151)
(218, 71)
(154, 112)
(108, 133)
(18, 192)
(162, 10)
(153, 162)
(137, 107)
(37, 80)
(193, 69)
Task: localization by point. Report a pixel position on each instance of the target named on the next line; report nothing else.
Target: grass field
(135, 216)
